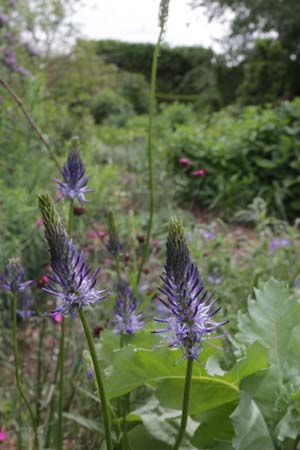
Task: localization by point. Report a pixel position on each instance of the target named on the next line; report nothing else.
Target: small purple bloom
(31, 50)
(11, 59)
(13, 278)
(208, 234)
(22, 71)
(276, 243)
(191, 308)
(71, 281)
(74, 184)
(90, 373)
(214, 277)
(127, 320)
(24, 303)
(3, 19)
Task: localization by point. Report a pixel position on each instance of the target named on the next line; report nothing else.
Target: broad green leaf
(208, 435)
(256, 359)
(206, 393)
(270, 320)
(162, 425)
(273, 320)
(89, 424)
(251, 431)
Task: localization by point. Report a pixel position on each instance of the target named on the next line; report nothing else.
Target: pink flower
(42, 281)
(39, 223)
(99, 234)
(3, 435)
(185, 162)
(57, 318)
(199, 173)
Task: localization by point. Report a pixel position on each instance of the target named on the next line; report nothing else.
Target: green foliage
(182, 71)
(153, 379)
(246, 153)
(265, 73)
(110, 107)
(134, 88)
(273, 319)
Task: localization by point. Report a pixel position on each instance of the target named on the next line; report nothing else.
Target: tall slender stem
(39, 383)
(149, 152)
(60, 431)
(185, 403)
(125, 405)
(17, 374)
(99, 379)
(62, 352)
(33, 125)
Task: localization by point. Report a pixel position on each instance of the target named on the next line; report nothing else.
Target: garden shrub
(110, 107)
(240, 154)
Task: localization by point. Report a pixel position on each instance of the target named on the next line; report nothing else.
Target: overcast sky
(136, 21)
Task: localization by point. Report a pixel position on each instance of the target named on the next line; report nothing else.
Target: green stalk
(61, 362)
(39, 383)
(149, 152)
(185, 403)
(125, 405)
(99, 379)
(17, 374)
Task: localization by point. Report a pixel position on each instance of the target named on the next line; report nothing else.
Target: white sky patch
(137, 21)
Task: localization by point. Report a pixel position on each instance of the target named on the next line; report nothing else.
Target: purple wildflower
(214, 277)
(74, 184)
(208, 234)
(71, 281)
(276, 243)
(127, 320)
(90, 373)
(11, 59)
(22, 71)
(24, 304)
(13, 278)
(3, 19)
(186, 299)
(31, 50)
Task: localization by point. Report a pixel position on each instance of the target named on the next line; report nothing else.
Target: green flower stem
(60, 431)
(70, 221)
(185, 403)
(51, 409)
(99, 379)
(39, 383)
(125, 405)
(17, 374)
(149, 152)
(117, 261)
(61, 364)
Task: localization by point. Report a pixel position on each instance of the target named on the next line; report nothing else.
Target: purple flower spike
(74, 184)
(13, 278)
(191, 308)
(127, 320)
(71, 281)
(276, 243)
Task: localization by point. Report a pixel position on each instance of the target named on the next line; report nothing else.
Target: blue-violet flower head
(191, 308)
(13, 278)
(127, 319)
(75, 183)
(71, 281)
